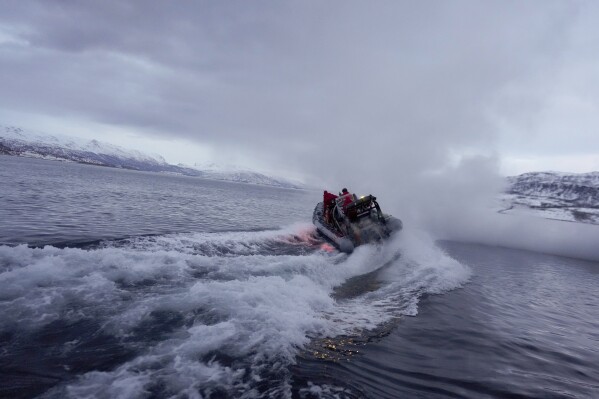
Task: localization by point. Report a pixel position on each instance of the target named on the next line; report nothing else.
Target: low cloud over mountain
(19, 142)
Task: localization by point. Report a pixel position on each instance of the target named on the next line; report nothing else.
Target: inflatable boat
(347, 223)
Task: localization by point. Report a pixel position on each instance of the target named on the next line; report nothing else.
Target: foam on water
(221, 313)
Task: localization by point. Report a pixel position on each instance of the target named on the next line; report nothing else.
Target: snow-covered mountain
(238, 174)
(564, 196)
(16, 141)
(19, 142)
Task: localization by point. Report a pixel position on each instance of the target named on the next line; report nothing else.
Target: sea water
(117, 283)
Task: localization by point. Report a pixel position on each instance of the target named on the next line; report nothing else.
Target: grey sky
(352, 88)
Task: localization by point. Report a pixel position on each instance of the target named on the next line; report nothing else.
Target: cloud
(294, 82)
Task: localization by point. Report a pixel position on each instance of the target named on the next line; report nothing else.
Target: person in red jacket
(328, 203)
(348, 198)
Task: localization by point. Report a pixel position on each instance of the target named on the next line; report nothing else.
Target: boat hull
(344, 244)
(363, 235)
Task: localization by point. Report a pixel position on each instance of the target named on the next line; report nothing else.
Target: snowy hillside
(238, 174)
(18, 142)
(564, 196)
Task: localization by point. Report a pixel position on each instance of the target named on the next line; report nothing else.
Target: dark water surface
(166, 286)
(57, 202)
(525, 326)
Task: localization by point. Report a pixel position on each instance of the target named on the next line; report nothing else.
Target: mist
(461, 204)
